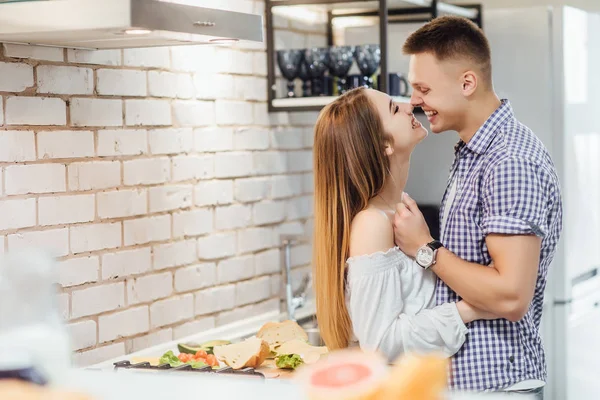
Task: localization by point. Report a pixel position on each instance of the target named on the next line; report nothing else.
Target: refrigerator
(546, 61)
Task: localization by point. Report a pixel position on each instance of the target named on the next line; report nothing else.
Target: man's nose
(415, 100)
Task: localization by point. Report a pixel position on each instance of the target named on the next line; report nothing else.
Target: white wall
(590, 5)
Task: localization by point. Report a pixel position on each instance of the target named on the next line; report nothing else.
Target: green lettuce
(289, 361)
(170, 358)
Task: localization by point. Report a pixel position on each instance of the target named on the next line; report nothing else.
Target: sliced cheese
(251, 352)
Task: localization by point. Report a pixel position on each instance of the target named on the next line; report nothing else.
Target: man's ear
(469, 81)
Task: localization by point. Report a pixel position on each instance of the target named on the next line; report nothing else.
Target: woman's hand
(468, 313)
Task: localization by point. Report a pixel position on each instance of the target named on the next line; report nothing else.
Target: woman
(365, 286)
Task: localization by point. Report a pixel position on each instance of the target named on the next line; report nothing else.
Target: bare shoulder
(370, 232)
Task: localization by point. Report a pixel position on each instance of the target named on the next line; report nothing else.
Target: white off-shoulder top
(391, 299)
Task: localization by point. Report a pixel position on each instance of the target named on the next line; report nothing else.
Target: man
(501, 215)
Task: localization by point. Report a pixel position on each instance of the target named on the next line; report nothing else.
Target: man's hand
(410, 229)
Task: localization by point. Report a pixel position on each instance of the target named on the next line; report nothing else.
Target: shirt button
(511, 359)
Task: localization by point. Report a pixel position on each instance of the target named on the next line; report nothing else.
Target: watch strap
(434, 245)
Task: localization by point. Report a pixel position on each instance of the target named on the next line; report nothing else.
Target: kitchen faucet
(294, 299)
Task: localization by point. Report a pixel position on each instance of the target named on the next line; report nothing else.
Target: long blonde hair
(350, 168)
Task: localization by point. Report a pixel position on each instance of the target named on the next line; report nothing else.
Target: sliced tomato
(212, 360)
(201, 354)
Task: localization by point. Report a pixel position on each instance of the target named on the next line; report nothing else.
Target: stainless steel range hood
(109, 24)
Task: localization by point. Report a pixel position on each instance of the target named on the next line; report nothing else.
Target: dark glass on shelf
(289, 65)
(317, 60)
(341, 59)
(305, 78)
(368, 58)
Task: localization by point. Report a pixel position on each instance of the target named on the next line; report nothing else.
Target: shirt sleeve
(515, 198)
(380, 323)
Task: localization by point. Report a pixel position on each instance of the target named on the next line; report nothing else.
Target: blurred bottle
(34, 342)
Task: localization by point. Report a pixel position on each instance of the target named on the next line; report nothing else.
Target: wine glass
(340, 61)
(368, 58)
(289, 65)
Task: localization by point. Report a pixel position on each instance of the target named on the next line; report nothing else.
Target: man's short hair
(452, 38)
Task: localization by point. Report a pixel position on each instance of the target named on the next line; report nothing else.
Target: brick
(233, 61)
(98, 299)
(268, 212)
(146, 230)
(147, 112)
(251, 88)
(195, 277)
(229, 317)
(192, 223)
(286, 186)
(268, 262)
(301, 255)
(63, 303)
(194, 113)
(252, 291)
(96, 112)
(287, 139)
(218, 245)
(309, 137)
(300, 207)
(233, 112)
(77, 271)
(95, 237)
(152, 339)
(113, 82)
(149, 288)
(213, 192)
(193, 167)
(174, 254)
(171, 85)
(259, 64)
(56, 241)
(291, 228)
(65, 144)
(155, 57)
(126, 263)
(173, 197)
(170, 141)
(214, 86)
(101, 57)
(15, 77)
(94, 175)
(194, 327)
(303, 118)
(37, 178)
(193, 58)
(98, 355)
(235, 269)
(255, 239)
(170, 311)
(122, 203)
(276, 286)
(83, 334)
(233, 164)
(308, 183)
(66, 209)
(146, 171)
(2, 110)
(268, 306)
(251, 139)
(251, 189)
(269, 162)
(124, 323)
(48, 111)
(232, 217)
(16, 145)
(34, 52)
(262, 117)
(213, 139)
(122, 142)
(64, 80)
(300, 161)
(214, 299)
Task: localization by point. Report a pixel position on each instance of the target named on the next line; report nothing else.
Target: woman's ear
(389, 149)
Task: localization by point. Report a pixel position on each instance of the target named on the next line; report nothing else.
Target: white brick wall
(159, 181)
(65, 80)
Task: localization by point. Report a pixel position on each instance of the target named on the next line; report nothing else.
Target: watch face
(425, 256)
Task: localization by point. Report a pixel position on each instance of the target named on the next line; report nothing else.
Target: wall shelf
(388, 12)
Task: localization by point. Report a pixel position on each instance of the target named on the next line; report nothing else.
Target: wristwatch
(427, 254)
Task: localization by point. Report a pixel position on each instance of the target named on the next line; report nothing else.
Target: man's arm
(514, 208)
(506, 287)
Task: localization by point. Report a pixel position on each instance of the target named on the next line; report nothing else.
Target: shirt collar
(482, 139)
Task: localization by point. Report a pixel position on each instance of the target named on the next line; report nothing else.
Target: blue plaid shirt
(507, 184)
